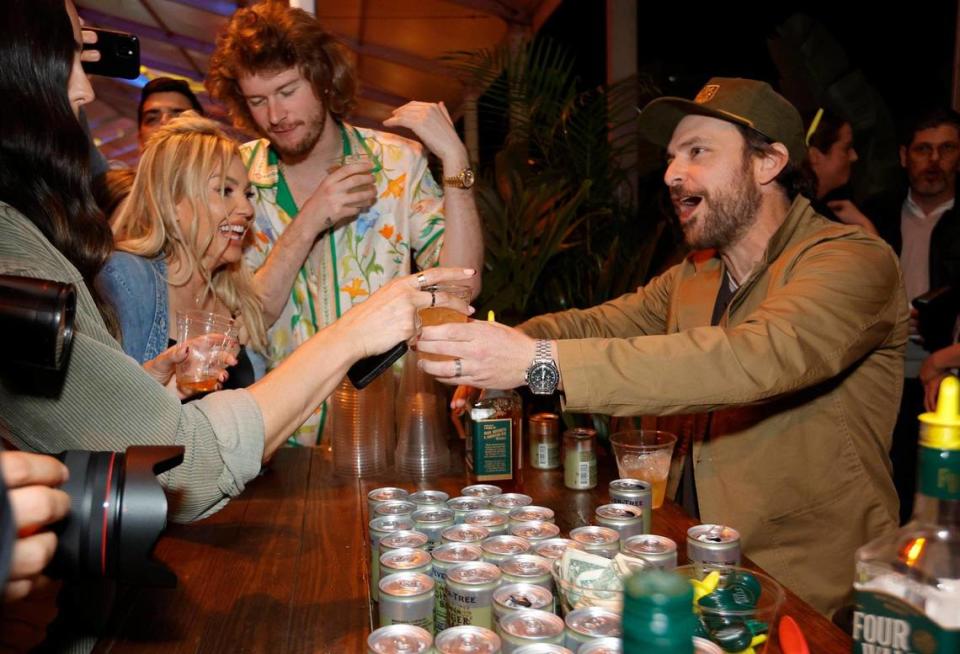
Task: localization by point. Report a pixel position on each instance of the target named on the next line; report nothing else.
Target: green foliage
(558, 202)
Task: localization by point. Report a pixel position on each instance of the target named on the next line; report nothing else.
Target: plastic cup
(645, 454)
(720, 621)
(442, 315)
(209, 339)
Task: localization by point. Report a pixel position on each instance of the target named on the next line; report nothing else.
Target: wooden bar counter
(285, 568)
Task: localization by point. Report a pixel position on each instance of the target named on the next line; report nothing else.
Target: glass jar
(580, 458)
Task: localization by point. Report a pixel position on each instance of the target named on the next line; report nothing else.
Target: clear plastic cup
(208, 335)
(645, 454)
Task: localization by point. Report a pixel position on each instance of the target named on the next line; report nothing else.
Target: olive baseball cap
(745, 102)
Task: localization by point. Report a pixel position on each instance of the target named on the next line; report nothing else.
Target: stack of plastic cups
(422, 450)
(362, 427)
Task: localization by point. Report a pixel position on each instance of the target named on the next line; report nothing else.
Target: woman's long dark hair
(44, 153)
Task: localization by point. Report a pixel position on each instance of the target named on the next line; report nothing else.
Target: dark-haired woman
(830, 156)
(52, 229)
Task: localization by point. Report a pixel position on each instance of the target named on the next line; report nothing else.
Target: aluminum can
(506, 502)
(636, 492)
(445, 557)
(498, 548)
(394, 507)
(659, 551)
(553, 548)
(428, 499)
(609, 645)
(463, 505)
(467, 640)
(405, 538)
(529, 569)
(380, 495)
(432, 522)
(470, 589)
(400, 639)
(529, 627)
(495, 521)
(407, 598)
(543, 648)
(378, 528)
(603, 541)
(509, 598)
(625, 518)
(713, 546)
(405, 559)
(531, 513)
(464, 534)
(535, 530)
(587, 625)
(485, 491)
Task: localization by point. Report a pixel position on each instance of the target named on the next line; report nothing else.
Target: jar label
(548, 455)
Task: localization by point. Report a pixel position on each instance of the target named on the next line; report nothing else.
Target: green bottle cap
(658, 614)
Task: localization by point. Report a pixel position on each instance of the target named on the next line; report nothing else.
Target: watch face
(543, 378)
(467, 177)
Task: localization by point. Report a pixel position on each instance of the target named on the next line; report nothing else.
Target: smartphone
(119, 54)
(366, 370)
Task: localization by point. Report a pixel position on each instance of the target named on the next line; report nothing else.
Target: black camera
(117, 508)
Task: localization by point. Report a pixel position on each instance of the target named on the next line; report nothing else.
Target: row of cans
(407, 639)
(520, 614)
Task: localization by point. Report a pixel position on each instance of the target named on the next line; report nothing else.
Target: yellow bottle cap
(490, 316)
(942, 428)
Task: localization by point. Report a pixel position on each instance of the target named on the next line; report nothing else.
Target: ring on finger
(421, 280)
(433, 298)
(458, 368)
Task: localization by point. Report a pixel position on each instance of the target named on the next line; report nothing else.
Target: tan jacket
(802, 380)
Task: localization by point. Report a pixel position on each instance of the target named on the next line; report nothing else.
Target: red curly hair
(270, 37)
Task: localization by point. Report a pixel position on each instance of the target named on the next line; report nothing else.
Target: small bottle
(658, 614)
(907, 583)
(495, 436)
(580, 458)
(543, 434)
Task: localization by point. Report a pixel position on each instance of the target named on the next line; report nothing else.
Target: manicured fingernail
(471, 310)
(469, 271)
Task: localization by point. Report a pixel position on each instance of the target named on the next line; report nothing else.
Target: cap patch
(706, 93)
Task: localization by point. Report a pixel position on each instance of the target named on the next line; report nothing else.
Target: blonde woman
(179, 240)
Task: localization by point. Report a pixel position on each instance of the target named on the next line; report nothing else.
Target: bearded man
(774, 350)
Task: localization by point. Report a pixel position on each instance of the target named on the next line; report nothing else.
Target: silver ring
(458, 368)
(421, 280)
(433, 298)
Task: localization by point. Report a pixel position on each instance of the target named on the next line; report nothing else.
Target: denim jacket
(137, 289)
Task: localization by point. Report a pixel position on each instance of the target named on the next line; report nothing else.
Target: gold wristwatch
(464, 179)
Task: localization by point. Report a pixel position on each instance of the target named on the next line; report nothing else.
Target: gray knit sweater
(105, 401)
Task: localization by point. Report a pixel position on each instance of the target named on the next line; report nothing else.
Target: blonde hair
(177, 163)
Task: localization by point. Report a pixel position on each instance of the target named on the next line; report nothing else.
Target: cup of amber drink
(208, 336)
(441, 315)
(645, 454)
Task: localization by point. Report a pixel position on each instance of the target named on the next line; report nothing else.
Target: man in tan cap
(775, 347)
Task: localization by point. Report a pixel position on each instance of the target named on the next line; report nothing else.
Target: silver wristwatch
(542, 376)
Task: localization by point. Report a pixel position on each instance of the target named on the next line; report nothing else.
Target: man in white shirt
(924, 229)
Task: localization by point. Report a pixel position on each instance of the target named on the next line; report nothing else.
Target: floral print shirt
(348, 264)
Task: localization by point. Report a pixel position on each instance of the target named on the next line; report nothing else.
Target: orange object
(791, 638)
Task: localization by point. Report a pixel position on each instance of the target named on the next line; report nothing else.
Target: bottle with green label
(908, 583)
(494, 436)
(658, 614)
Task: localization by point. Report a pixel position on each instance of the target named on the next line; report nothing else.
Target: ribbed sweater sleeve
(105, 401)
